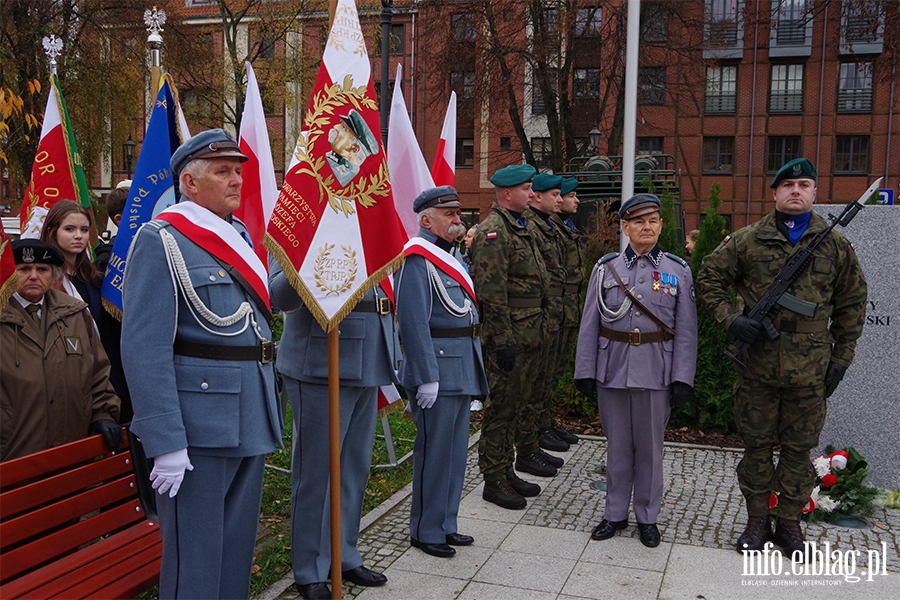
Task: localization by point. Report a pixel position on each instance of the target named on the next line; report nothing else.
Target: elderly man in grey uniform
(442, 368)
(638, 345)
(367, 349)
(198, 354)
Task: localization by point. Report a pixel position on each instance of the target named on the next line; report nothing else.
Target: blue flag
(152, 190)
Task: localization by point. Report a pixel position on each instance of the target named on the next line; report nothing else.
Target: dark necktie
(32, 309)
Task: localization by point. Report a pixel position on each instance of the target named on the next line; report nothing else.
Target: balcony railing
(786, 102)
(721, 103)
(854, 101)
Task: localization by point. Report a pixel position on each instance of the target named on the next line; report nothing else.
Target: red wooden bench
(71, 525)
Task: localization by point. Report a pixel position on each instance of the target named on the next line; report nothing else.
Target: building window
(723, 23)
(652, 85)
(463, 83)
(462, 28)
(786, 92)
(398, 39)
(543, 155)
(781, 150)
(718, 154)
(587, 22)
(650, 145)
(855, 87)
(851, 154)
(538, 103)
(791, 19)
(586, 83)
(721, 89)
(465, 152)
(267, 47)
(861, 21)
(654, 24)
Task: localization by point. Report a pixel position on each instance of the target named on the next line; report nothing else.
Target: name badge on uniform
(73, 346)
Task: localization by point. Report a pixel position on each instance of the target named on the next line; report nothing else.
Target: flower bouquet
(840, 490)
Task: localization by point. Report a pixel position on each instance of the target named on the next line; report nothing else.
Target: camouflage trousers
(767, 416)
(505, 408)
(544, 395)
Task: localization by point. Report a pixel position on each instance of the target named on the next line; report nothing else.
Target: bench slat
(140, 543)
(39, 464)
(49, 518)
(59, 486)
(140, 571)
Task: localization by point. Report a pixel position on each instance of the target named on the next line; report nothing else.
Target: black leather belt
(264, 352)
(800, 326)
(382, 306)
(524, 302)
(555, 290)
(473, 331)
(636, 337)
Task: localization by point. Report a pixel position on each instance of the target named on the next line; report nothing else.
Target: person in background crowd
(689, 240)
(442, 366)
(781, 399)
(198, 353)
(510, 281)
(54, 375)
(637, 351)
(115, 206)
(67, 227)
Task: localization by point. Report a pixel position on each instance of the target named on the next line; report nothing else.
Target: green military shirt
(749, 261)
(510, 281)
(573, 263)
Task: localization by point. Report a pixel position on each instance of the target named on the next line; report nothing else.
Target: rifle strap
(628, 293)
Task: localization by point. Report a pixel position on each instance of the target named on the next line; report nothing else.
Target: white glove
(168, 471)
(427, 394)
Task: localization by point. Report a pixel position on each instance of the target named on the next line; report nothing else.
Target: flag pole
(334, 432)
(154, 19)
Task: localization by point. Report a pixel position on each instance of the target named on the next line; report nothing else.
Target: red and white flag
(444, 168)
(407, 166)
(259, 191)
(56, 173)
(335, 230)
(8, 280)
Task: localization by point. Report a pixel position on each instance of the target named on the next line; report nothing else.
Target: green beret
(799, 168)
(569, 185)
(513, 175)
(545, 182)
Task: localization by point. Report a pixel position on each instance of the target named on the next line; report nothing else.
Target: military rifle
(777, 294)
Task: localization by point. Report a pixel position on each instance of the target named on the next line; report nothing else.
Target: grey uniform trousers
(310, 496)
(439, 467)
(634, 422)
(201, 557)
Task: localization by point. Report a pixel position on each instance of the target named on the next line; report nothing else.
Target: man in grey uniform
(367, 349)
(442, 368)
(198, 355)
(638, 345)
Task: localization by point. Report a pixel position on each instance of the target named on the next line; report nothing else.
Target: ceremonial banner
(334, 229)
(259, 191)
(152, 190)
(444, 168)
(406, 165)
(56, 173)
(8, 280)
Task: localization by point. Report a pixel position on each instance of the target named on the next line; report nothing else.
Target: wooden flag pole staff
(334, 432)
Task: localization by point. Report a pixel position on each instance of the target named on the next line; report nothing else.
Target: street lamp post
(128, 151)
(386, 16)
(594, 138)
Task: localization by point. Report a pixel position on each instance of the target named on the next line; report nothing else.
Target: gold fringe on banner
(10, 286)
(391, 408)
(112, 309)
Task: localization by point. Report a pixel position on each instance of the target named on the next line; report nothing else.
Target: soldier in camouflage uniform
(532, 437)
(510, 283)
(573, 263)
(781, 398)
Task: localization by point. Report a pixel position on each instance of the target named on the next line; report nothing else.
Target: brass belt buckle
(267, 352)
(384, 306)
(634, 337)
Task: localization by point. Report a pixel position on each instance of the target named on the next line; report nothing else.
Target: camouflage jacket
(573, 263)
(549, 241)
(510, 281)
(749, 261)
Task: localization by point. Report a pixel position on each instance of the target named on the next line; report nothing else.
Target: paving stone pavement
(545, 550)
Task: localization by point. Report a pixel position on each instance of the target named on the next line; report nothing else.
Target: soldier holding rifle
(791, 351)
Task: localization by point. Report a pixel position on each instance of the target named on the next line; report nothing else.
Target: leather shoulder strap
(628, 293)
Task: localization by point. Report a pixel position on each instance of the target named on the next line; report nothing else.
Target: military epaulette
(677, 259)
(608, 257)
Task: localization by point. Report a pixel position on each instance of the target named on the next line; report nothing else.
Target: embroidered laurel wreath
(365, 189)
(319, 270)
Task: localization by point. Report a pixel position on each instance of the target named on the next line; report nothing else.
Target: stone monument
(864, 412)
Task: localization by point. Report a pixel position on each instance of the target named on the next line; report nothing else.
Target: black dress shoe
(458, 539)
(314, 591)
(363, 576)
(534, 464)
(503, 495)
(551, 441)
(553, 461)
(526, 489)
(649, 534)
(439, 550)
(607, 529)
(566, 436)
